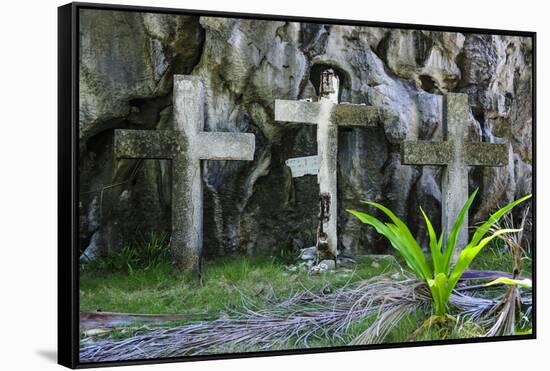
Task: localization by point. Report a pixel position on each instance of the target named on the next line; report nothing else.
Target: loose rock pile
(308, 257)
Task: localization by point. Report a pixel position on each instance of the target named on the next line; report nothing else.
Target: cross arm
(425, 153)
(360, 115)
(154, 144)
(297, 112)
(225, 146)
(486, 154)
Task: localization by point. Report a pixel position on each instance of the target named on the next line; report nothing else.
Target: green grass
(408, 330)
(496, 258)
(162, 290)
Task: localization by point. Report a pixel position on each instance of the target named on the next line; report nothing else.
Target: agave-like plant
(441, 276)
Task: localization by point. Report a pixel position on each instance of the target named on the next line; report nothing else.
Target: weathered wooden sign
(300, 166)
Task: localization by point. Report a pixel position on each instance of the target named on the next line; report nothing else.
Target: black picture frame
(68, 181)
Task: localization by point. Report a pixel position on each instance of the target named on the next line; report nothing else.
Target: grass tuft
(163, 290)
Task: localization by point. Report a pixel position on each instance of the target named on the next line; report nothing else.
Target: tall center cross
(328, 115)
(455, 153)
(185, 145)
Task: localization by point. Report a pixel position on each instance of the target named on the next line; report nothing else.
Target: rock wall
(127, 61)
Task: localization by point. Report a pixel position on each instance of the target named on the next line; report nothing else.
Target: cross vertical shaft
(187, 188)
(327, 149)
(454, 181)
(328, 115)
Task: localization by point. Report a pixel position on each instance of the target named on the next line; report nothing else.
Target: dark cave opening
(315, 79)
(428, 84)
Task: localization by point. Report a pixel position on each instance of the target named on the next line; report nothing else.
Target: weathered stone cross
(456, 154)
(328, 115)
(186, 145)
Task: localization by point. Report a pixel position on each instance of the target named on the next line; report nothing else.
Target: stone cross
(455, 153)
(328, 115)
(185, 145)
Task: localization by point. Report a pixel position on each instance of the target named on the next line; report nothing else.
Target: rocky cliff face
(127, 61)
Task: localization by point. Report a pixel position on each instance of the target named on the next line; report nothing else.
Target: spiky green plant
(441, 276)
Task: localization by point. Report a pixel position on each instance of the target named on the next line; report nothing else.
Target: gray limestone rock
(127, 65)
(309, 253)
(327, 264)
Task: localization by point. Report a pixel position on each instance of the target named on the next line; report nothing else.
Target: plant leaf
(407, 237)
(526, 282)
(450, 245)
(407, 252)
(526, 332)
(469, 253)
(434, 245)
(484, 228)
(438, 290)
(397, 240)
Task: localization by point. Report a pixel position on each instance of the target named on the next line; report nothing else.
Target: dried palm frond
(295, 322)
(299, 321)
(503, 315)
(516, 243)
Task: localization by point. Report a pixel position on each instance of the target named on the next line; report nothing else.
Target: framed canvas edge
(68, 112)
(278, 17)
(67, 259)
